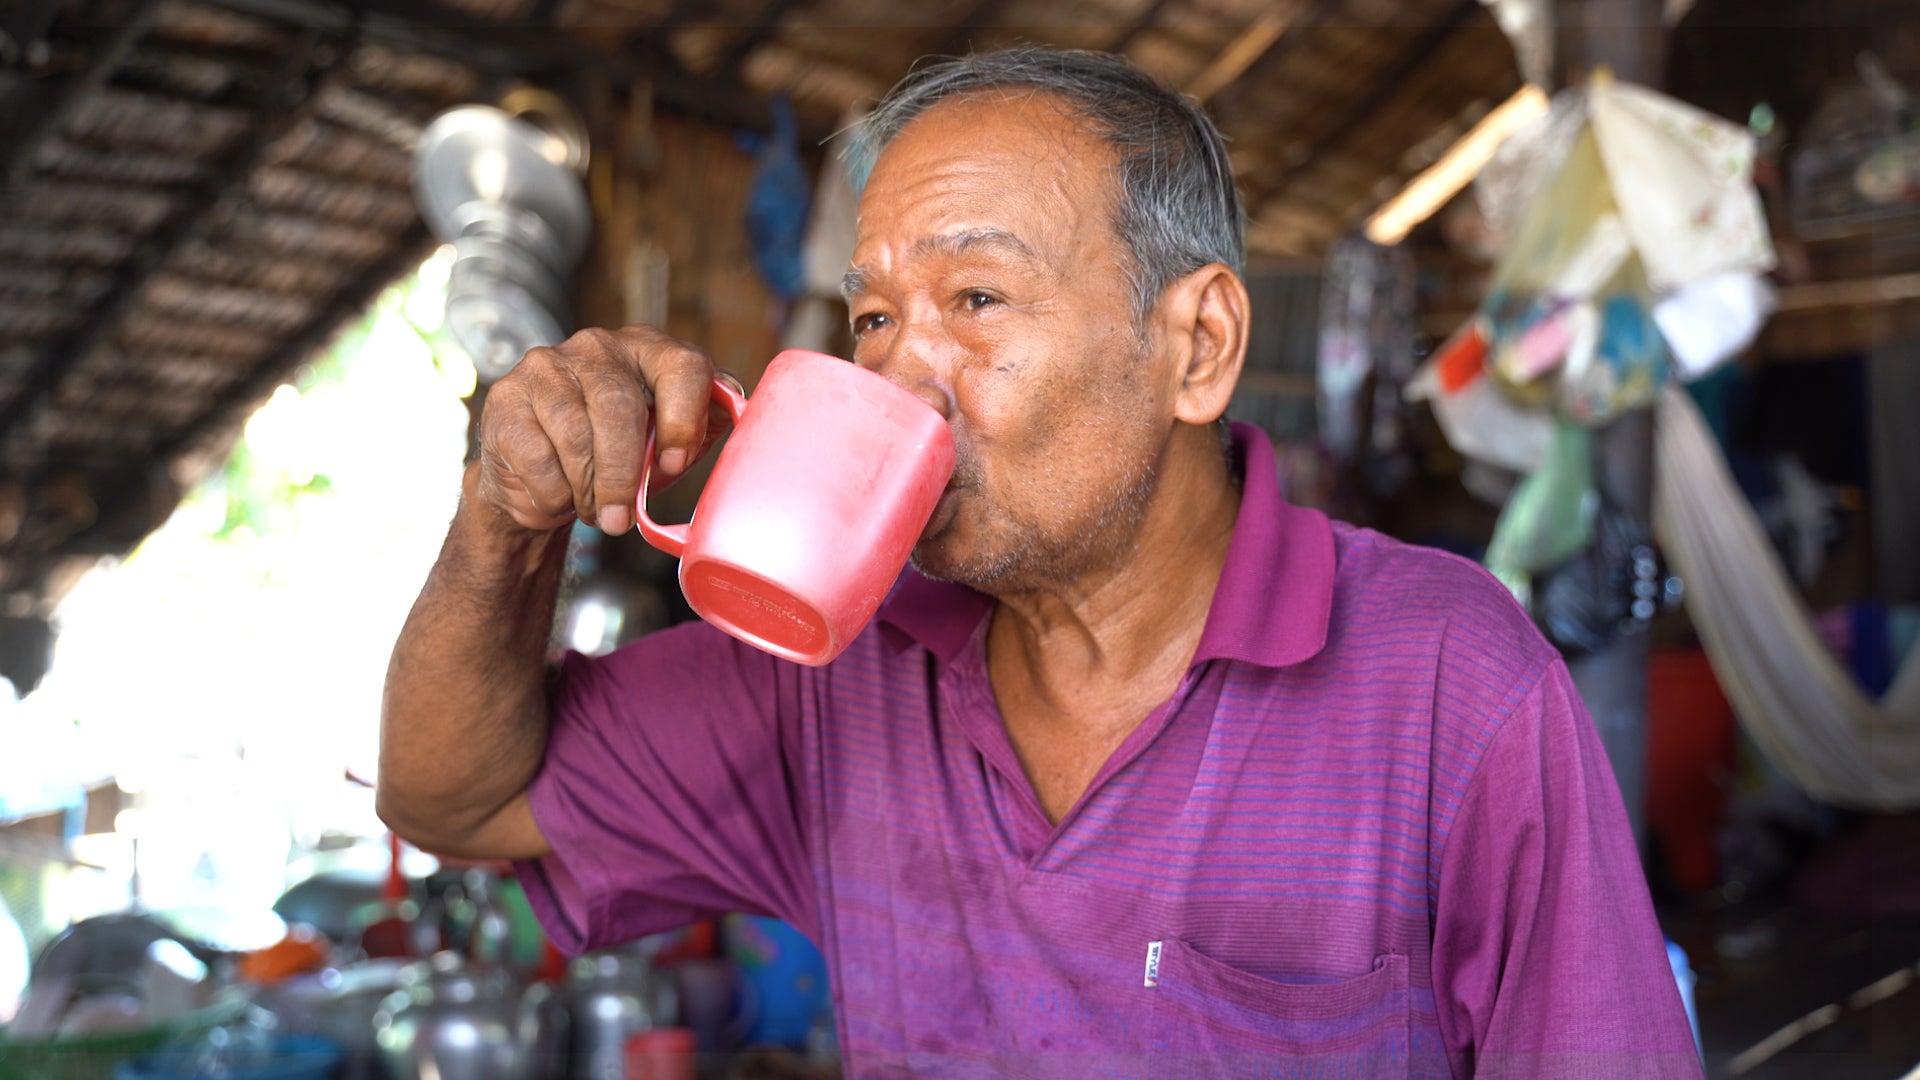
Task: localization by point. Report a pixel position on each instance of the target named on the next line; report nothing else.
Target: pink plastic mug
(815, 503)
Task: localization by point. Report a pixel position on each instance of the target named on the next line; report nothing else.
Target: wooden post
(1628, 37)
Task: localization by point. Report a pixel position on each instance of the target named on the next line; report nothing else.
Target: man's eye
(976, 300)
(866, 324)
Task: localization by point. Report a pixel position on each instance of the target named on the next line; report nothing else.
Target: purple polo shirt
(1372, 833)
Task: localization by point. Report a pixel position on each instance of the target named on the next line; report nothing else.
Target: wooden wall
(670, 203)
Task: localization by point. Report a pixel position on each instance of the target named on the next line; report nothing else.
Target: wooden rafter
(501, 50)
(762, 32)
(1854, 293)
(636, 41)
(1140, 26)
(134, 482)
(1356, 117)
(426, 27)
(188, 221)
(1247, 46)
(350, 302)
(27, 24)
(17, 156)
(959, 40)
(1304, 17)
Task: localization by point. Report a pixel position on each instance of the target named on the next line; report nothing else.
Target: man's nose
(915, 362)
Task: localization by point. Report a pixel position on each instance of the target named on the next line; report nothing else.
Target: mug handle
(672, 539)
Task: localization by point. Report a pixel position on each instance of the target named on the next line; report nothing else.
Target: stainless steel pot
(452, 1022)
(611, 996)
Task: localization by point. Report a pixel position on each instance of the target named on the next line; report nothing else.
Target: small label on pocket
(1153, 963)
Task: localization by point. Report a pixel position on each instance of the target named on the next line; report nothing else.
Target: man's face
(987, 277)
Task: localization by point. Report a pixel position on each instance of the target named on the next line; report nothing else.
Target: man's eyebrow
(853, 282)
(856, 279)
(966, 240)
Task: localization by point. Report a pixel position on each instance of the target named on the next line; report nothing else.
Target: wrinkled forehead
(1019, 104)
(987, 159)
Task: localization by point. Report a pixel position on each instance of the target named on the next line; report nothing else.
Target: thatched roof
(198, 192)
(195, 199)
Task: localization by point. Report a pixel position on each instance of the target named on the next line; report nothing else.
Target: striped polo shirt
(1372, 833)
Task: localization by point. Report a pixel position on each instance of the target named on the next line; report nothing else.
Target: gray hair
(1178, 209)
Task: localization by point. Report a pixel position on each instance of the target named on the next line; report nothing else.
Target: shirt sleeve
(1547, 959)
(668, 792)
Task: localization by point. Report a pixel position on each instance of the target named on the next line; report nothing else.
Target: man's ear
(1206, 325)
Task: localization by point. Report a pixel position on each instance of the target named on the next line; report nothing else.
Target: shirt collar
(1272, 606)
(1275, 597)
(940, 615)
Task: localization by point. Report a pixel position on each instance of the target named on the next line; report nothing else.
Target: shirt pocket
(1212, 1020)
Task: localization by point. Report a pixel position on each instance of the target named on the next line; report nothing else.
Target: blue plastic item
(1683, 977)
(294, 1057)
(777, 203)
(784, 977)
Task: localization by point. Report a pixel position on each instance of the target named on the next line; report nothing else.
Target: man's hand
(563, 434)
(464, 725)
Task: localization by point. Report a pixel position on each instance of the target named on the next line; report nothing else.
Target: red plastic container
(661, 1054)
(818, 497)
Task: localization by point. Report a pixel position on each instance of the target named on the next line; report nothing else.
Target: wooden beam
(1803, 298)
(1807, 297)
(245, 65)
(351, 302)
(762, 31)
(1306, 16)
(1140, 26)
(19, 151)
(542, 14)
(638, 43)
(275, 114)
(959, 40)
(1239, 55)
(1629, 37)
(425, 27)
(1855, 293)
(507, 49)
(1383, 86)
(1822, 333)
(676, 17)
(25, 28)
(703, 98)
(137, 482)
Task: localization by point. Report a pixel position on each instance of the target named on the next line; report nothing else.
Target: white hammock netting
(1802, 708)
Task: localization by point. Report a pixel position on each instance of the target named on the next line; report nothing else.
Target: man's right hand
(562, 435)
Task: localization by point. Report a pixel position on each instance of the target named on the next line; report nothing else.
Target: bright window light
(231, 667)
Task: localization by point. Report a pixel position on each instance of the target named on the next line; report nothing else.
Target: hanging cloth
(819, 315)
(777, 203)
(1802, 708)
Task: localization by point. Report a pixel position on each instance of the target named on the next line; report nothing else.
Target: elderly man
(1142, 770)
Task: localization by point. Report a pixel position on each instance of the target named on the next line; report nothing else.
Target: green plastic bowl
(95, 1057)
(294, 1057)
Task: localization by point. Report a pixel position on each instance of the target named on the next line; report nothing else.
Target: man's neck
(1139, 621)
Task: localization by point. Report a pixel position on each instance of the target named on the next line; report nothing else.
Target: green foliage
(261, 495)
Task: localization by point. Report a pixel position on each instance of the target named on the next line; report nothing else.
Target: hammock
(1803, 710)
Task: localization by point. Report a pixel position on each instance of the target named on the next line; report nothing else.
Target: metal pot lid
(474, 158)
